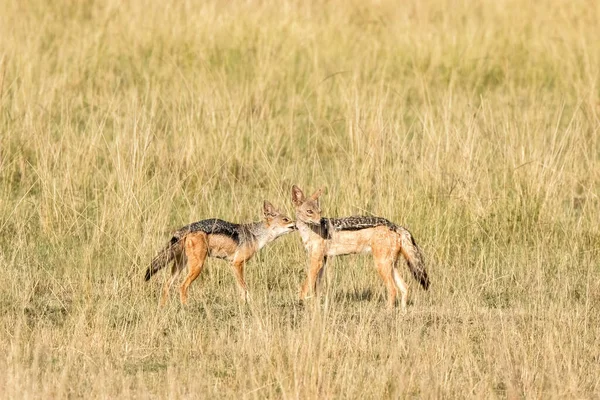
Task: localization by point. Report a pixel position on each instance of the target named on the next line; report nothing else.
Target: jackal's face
(307, 208)
(276, 222)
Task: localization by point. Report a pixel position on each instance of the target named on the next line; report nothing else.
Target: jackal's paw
(304, 299)
(305, 294)
(245, 296)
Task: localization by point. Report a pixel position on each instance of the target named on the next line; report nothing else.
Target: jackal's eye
(309, 212)
(286, 220)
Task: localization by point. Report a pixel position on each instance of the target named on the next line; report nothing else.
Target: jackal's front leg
(317, 261)
(238, 271)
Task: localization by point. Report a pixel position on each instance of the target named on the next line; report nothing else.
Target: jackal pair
(322, 238)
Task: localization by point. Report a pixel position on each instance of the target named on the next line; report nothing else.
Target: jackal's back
(358, 222)
(214, 226)
(353, 223)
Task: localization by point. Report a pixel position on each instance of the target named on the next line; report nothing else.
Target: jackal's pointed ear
(297, 196)
(269, 210)
(315, 196)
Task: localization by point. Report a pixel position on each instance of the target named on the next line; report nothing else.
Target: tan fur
(198, 245)
(384, 243)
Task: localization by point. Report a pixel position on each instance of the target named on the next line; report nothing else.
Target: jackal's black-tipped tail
(413, 256)
(163, 258)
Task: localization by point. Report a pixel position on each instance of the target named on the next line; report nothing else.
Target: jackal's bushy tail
(413, 257)
(164, 257)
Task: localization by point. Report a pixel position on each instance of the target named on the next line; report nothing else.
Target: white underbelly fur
(336, 249)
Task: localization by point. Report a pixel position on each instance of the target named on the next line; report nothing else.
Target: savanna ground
(474, 124)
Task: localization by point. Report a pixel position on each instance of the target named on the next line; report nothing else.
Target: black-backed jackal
(326, 237)
(236, 243)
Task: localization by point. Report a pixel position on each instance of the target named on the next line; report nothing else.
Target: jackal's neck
(310, 231)
(259, 232)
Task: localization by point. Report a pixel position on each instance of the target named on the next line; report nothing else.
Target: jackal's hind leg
(385, 267)
(176, 268)
(196, 250)
(402, 287)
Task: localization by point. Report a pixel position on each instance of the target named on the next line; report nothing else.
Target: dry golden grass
(475, 124)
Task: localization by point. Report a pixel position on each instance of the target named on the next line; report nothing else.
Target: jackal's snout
(291, 226)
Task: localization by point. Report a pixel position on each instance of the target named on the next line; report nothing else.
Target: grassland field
(476, 124)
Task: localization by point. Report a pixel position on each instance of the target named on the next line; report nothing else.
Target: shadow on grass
(356, 296)
(149, 365)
